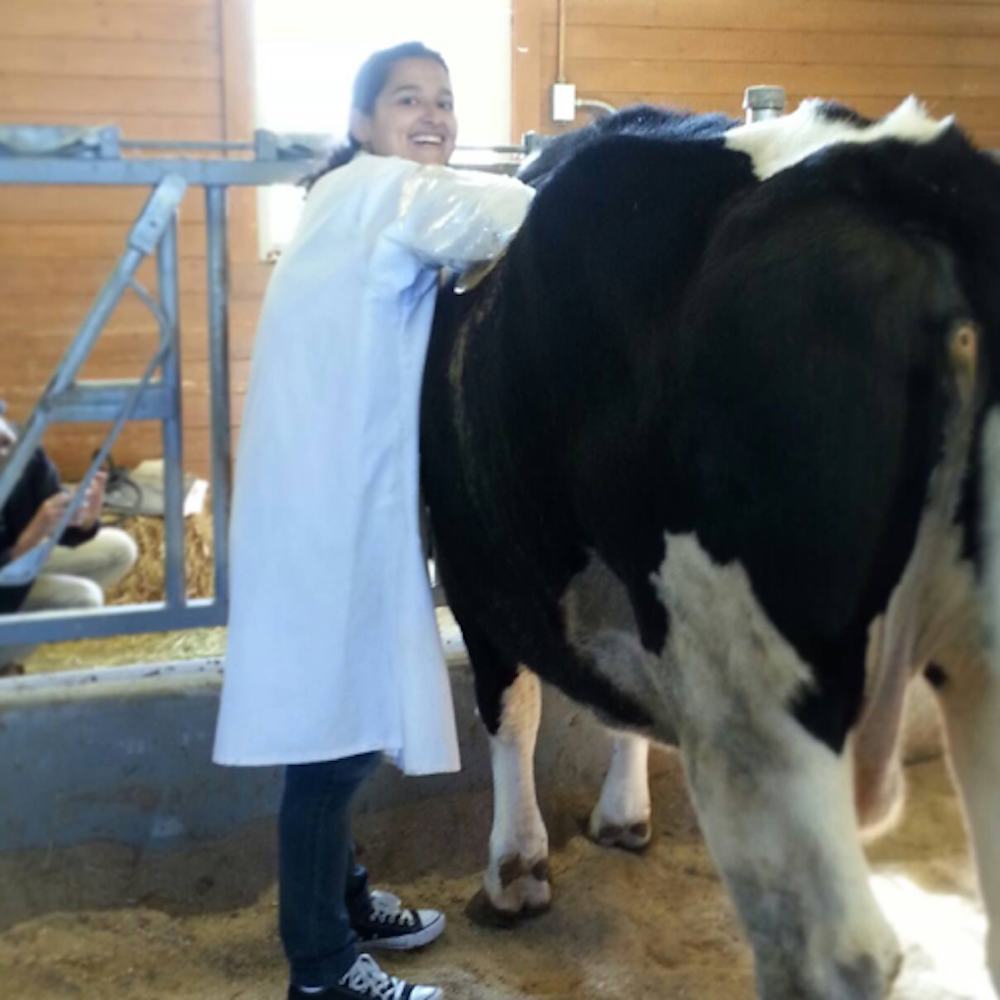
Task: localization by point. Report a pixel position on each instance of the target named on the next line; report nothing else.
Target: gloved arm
(455, 218)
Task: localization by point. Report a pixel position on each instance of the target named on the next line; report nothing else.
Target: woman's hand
(48, 516)
(90, 511)
(42, 525)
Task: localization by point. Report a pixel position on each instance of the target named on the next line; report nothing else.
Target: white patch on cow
(776, 805)
(517, 876)
(779, 143)
(970, 698)
(622, 815)
(720, 635)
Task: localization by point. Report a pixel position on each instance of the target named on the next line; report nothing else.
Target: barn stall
(129, 863)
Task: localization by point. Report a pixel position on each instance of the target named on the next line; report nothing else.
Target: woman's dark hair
(368, 84)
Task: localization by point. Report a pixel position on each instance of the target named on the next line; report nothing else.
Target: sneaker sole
(405, 942)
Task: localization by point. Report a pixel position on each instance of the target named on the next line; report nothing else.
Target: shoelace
(368, 979)
(389, 908)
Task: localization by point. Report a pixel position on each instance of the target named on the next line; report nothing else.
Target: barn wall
(181, 69)
(161, 69)
(701, 54)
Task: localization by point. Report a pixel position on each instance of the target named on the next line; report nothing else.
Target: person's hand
(90, 509)
(42, 525)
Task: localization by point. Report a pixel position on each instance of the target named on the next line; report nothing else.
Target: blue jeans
(319, 884)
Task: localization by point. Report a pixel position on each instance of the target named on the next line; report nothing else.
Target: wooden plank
(78, 203)
(126, 22)
(89, 240)
(70, 448)
(50, 279)
(526, 68)
(772, 47)
(137, 127)
(196, 407)
(105, 242)
(594, 77)
(238, 110)
(236, 59)
(126, 349)
(89, 58)
(859, 17)
(49, 321)
(148, 3)
(105, 97)
(129, 351)
(195, 373)
(22, 391)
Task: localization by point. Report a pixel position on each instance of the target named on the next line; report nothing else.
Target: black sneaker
(366, 980)
(388, 924)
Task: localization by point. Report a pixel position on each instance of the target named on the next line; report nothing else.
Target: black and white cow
(715, 449)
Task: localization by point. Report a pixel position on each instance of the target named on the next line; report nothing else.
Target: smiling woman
(413, 116)
(308, 51)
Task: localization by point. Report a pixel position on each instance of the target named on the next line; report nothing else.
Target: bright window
(308, 51)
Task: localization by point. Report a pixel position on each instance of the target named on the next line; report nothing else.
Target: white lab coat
(333, 647)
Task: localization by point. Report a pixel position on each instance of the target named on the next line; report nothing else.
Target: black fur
(671, 346)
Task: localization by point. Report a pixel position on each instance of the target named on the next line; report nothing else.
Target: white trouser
(77, 578)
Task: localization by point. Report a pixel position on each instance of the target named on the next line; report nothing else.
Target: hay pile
(146, 584)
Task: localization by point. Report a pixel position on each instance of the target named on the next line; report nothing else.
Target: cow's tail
(969, 696)
(990, 536)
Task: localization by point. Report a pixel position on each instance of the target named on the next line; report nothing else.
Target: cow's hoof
(630, 837)
(482, 911)
(518, 887)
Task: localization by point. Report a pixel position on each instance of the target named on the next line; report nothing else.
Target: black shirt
(39, 481)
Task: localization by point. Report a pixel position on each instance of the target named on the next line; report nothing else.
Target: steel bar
(218, 318)
(173, 448)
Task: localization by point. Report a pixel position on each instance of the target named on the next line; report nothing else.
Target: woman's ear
(361, 128)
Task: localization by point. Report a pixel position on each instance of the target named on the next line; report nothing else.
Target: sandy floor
(102, 921)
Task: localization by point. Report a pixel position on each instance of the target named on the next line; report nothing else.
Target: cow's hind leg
(621, 816)
(517, 880)
(777, 810)
(968, 691)
(966, 679)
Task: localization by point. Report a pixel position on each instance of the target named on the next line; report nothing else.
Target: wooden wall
(181, 69)
(161, 69)
(701, 54)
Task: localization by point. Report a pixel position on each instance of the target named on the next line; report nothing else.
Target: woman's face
(414, 114)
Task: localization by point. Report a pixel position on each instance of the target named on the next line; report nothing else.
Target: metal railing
(48, 156)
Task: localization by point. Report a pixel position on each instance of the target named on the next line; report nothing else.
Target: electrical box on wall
(563, 102)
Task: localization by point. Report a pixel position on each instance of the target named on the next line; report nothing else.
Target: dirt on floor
(108, 921)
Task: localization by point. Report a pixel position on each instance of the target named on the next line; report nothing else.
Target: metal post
(173, 449)
(218, 314)
(761, 103)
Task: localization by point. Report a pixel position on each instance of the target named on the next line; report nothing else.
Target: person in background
(334, 658)
(87, 561)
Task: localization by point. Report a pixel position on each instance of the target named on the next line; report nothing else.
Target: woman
(334, 657)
